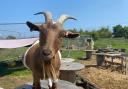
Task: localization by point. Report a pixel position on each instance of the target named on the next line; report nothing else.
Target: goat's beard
(48, 71)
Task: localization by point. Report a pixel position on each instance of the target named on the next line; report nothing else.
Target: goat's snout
(46, 52)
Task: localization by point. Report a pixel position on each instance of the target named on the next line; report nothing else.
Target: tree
(118, 31)
(104, 32)
(73, 30)
(81, 32)
(11, 37)
(126, 32)
(94, 35)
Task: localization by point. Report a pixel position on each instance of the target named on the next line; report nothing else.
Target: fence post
(126, 65)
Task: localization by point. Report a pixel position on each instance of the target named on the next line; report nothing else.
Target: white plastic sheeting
(15, 43)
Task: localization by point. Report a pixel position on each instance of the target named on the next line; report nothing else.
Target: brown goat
(43, 57)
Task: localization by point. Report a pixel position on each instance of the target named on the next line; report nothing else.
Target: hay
(104, 78)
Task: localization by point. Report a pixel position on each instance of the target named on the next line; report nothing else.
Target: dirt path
(10, 82)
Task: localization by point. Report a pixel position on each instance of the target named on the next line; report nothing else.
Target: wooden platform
(67, 60)
(61, 85)
(68, 69)
(71, 66)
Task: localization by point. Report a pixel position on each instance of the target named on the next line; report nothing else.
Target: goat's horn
(63, 18)
(48, 15)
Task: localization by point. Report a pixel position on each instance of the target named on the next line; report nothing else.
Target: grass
(22, 71)
(11, 54)
(76, 54)
(7, 55)
(15, 71)
(114, 42)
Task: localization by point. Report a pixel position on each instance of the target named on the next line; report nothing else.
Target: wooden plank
(113, 54)
(72, 66)
(67, 60)
(99, 53)
(90, 50)
(61, 85)
(107, 54)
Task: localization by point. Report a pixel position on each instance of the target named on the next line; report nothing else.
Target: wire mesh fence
(20, 30)
(78, 43)
(16, 30)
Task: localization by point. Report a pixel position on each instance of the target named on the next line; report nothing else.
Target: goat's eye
(54, 27)
(44, 31)
(59, 36)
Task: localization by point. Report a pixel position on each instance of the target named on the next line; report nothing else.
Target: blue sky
(91, 14)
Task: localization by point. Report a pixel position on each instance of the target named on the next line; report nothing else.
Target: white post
(68, 48)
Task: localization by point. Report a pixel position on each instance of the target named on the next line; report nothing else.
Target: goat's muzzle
(46, 54)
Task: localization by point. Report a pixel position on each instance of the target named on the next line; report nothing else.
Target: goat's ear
(68, 34)
(32, 26)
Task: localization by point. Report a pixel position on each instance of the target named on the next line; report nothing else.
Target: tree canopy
(104, 32)
(120, 31)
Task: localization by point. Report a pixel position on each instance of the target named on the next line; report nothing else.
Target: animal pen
(68, 44)
(78, 43)
(111, 44)
(18, 31)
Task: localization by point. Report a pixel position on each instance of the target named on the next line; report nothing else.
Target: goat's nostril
(46, 52)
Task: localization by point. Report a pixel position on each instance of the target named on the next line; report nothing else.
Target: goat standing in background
(43, 58)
